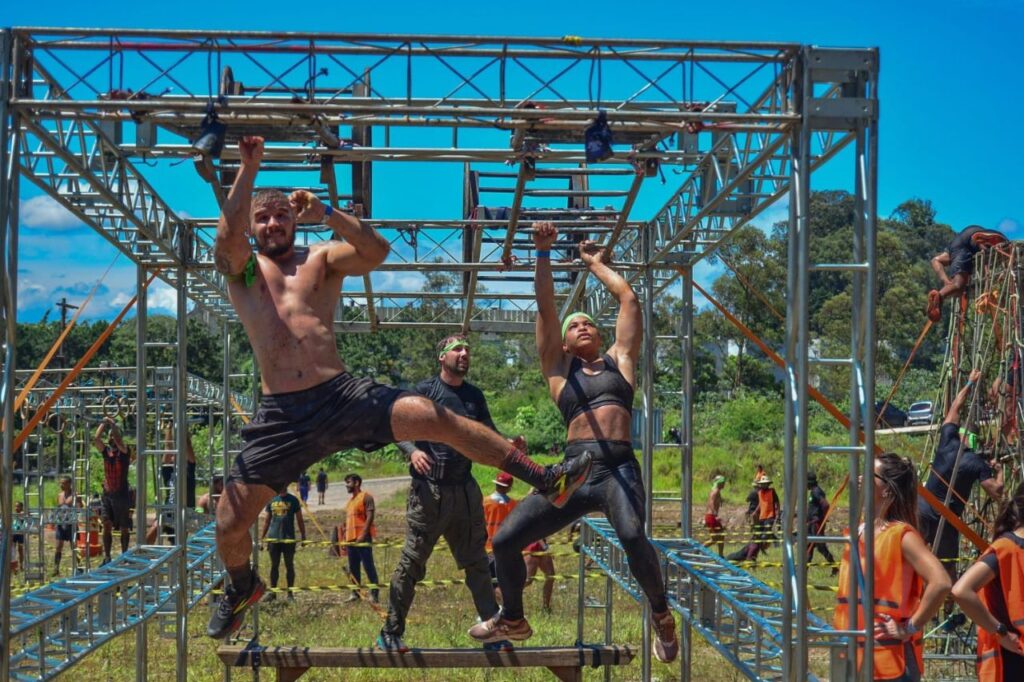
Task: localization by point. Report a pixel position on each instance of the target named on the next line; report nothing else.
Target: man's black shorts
(117, 509)
(65, 532)
(293, 431)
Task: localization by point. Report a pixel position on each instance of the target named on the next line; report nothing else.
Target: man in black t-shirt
(960, 255)
(279, 533)
(444, 499)
(321, 486)
(817, 512)
(972, 467)
(116, 502)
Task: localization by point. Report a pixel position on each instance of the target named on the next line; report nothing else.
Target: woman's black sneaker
(568, 476)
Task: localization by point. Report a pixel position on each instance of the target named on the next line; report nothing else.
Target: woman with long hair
(910, 583)
(991, 593)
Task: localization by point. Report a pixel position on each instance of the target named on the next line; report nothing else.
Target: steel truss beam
(56, 626)
(78, 90)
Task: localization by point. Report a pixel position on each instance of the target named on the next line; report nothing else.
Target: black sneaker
(388, 642)
(568, 476)
(228, 616)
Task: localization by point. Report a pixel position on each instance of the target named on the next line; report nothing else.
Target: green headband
(718, 480)
(453, 344)
(572, 316)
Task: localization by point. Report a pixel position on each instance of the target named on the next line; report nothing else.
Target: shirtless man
(285, 297)
(711, 520)
(594, 392)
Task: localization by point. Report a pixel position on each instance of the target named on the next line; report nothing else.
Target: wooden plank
(368, 657)
(290, 674)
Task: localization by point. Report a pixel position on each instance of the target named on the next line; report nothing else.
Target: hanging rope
(77, 369)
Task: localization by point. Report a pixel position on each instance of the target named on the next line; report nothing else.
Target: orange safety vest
(355, 517)
(767, 504)
(898, 591)
(1007, 591)
(495, 512)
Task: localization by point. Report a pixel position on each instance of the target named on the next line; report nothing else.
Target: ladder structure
(98, 120)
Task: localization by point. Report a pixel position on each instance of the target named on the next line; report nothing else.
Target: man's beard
(454, 368)
(275, 251)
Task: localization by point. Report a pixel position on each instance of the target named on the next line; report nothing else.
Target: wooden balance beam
(291, 663)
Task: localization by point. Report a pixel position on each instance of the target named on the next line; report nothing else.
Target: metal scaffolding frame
(98, 120)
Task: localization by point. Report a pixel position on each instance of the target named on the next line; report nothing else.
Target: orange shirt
(496, 509)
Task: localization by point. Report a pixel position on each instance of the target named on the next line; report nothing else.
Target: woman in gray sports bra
(594, 392)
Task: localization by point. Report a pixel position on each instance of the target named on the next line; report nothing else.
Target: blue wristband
(546, 253)
(328, 210)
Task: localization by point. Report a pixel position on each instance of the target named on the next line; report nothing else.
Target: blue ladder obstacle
(735, 612)
(58, 625)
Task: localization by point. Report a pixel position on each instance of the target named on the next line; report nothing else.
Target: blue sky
(949, 88)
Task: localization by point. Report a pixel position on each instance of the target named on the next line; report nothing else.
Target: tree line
(726, 364)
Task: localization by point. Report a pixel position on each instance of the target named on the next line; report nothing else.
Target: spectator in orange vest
(360, 529)
(910, 583)
(497, 506)
(763, 511)
(991, 592)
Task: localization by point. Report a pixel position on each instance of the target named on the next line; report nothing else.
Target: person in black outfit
(960, 254)
(444, 499)
(952, 453)
(594, 392)
(817, 512)
(321, 486)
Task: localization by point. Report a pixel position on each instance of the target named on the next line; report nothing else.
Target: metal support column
(141, 461)
(9, 295)
(225, 429)
(686, 448)
(794, 571)
(181, 478)
(648, 433)
(862, 384)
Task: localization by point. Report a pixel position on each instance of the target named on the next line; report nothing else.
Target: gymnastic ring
(70, 428)
(24, 411)
(107, 401)
(60, 422)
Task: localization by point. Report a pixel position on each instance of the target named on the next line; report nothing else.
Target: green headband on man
(453, 344)
(572, 316)
(718, 481)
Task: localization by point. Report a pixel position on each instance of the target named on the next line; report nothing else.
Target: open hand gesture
(250, 149)
(544, 234)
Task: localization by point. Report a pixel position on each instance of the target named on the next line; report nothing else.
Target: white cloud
(162, 297)
(120, 300)
(43, 211)
(1009, 226)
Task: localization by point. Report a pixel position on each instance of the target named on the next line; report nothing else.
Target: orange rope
(906, 365)
(238, 409)
(77, 369)
(60, 339)
(946, 513)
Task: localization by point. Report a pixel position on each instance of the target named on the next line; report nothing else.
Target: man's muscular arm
(231, 248)
(359, 248)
